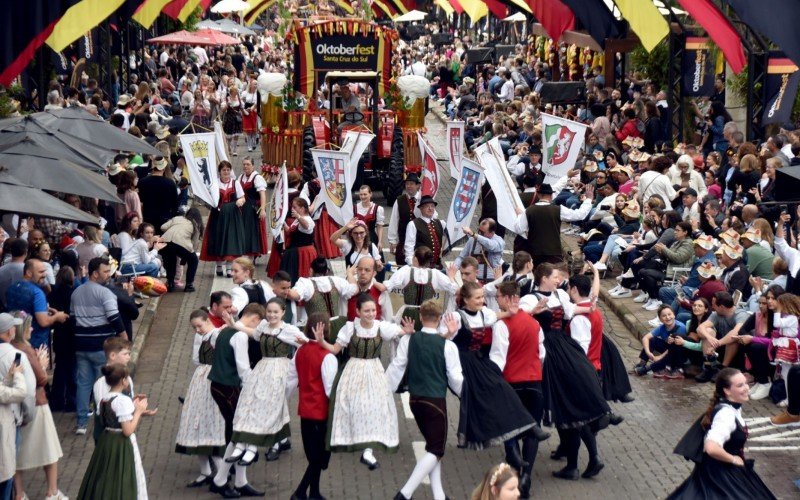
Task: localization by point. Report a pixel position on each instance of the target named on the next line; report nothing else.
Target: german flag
(256, 9)
(148, 12)
(79, 19)
(781, 66)
(696, 43)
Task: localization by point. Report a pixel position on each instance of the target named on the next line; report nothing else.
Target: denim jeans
(89, 364)
(149, 269)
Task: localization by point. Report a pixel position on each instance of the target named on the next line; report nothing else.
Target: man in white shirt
(507, 90)
(426, 230)
(655, 181)
(417, 68)
(202, 55)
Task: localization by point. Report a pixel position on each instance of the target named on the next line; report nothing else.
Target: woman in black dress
(490, 412)
(716, 444)
(572, 390)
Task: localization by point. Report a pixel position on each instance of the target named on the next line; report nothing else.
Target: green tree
(653, 65)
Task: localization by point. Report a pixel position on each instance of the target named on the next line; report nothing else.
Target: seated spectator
(735, 274)
(91, 246)
(659, 353)
(759, 259)
(703, 252)
(755, 338)
(719, 335)
(142, 256)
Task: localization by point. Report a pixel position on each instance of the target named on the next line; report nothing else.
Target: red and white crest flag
(562, 142)
(430, 169)
(279, 204)
(455, 147)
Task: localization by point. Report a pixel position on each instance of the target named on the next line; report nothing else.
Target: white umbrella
(208, 24)
(228, 6)
(413, 15)
(519, 17)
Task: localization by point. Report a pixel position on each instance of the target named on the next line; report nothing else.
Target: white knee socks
(205, 467)
(424, 467)
(223, 467)
(436, 482)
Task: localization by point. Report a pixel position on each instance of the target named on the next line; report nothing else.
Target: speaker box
(484, 55)
(563, 93)
(503, 51)
(440, 39)
(414, 31)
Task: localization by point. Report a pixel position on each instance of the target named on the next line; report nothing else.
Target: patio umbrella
(228, 26)
(31, 201)
(519, 17)
(208, 24)
(228, 6)
(78, 151)
(410, 16)
(27, 164)
(80, 123)
(213, 37)
(181, 37)
(256, 27)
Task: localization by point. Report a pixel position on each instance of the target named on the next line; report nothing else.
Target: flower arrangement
(394, 99)
(290, 100)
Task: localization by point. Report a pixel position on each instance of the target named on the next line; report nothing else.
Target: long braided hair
(723, 382)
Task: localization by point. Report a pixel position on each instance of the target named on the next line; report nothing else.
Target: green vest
(327, 302)
(223, 368)
(415, 294)
(427, 370)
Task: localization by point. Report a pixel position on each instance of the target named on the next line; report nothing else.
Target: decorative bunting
(79, 19)
(554, 16)
(596, 19)
(646, 20)
(719, 29)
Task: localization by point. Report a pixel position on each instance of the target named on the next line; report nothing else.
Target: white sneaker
(80, 431)
(600, 266)
(57, 496)
(759, 391)
(652, 305)
(622, 293)
(641, 298)
(655, 322)
(615, 289)
(627, 274)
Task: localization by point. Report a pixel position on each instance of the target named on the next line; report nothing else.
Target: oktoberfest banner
(697, 67)
(430, 169)
(200, 153)
(221, 143)
(782, 79)
(465, 199)
(491, 158)
(455, 146)
(562, 143)
(336, 182)
(279, 204)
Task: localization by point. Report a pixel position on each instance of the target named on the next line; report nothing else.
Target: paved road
(637, 454)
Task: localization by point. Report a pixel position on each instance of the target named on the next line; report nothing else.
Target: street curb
(143, 332)
(624, 314)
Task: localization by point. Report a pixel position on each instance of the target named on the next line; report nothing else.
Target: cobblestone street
(637, 454)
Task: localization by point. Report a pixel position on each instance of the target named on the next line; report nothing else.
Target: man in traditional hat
(735, 274)
(540, 224)
(426, 230)
(122, 105)
(404, 210)
(759, 258)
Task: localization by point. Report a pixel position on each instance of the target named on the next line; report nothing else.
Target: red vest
(351, 304)
(596, 344)
(313, 401)
(522, 361)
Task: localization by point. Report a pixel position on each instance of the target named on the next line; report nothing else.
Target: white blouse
(122, 405)
(257, 179)
(286, 333)
(407, 275)
(724, 424)
(387, 330)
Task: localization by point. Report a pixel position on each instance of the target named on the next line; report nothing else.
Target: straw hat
(730, 237)
(590, 166)
(732, 251)
(631, 210)
(706, 241)
(753, 235)
(624, 169)
(708, 270)
(160, 164)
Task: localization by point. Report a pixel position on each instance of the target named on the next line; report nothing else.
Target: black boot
(400, 496)
(593, 468)
(514, 458)
(525, 481)
(539, 434)
(566, 473)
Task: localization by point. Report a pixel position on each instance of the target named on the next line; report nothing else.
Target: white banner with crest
(200, 153)
(336, 182)
(430, 168)
(455, 146)
(464, 202)
(279, 204)
(562, 142)
(491, 158)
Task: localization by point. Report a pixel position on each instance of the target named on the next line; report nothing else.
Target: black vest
(544, 230)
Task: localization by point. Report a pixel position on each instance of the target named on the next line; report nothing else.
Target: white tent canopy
(413, 15)
(519, 17)
(228, 6)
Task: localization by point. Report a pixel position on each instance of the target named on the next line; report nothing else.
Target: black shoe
(249, 491)
(235, 457)
(570, 474)
(201, 482)
(318, 497)
(295, 496)
(539, 434)
(641, 370)
(189, 288)
(219, 272)
(615, 419)
(371, 465)
(170, 287)
(181, 399)
(285, 445)
(251, 462)
(707, 374)
(525, 483)
(400, 496)
(593, 469)
(272, 454)
(627, 399)
(556, 454)
(225, 490)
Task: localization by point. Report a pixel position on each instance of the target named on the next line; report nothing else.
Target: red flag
(554, 16)
(24, 58)
(497, 8)
(719, 29)
(430, 170)
(457, 6)
(173, 9)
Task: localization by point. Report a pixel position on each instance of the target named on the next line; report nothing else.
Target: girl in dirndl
(299, 235)
(325, 226)
(251, 103)
(115, 469)
(201, 431)
(364, 415)
(357, 244)
(372, 215)
(255, 207)
(232, 125)
(225, 237)
(787, 310)
(490, 412)
(262, 414)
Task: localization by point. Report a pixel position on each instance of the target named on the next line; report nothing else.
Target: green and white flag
(562, 142)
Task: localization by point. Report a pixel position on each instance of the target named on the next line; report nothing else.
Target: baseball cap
(7, 321)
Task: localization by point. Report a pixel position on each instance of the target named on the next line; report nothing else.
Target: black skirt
(712, 479)
(615, 376)
(490, 411)
(572, 389)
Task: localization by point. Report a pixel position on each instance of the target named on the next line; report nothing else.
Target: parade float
(330, 51)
